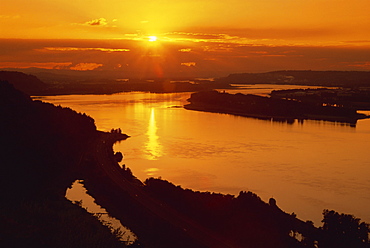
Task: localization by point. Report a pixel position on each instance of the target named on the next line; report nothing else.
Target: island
(270, 108)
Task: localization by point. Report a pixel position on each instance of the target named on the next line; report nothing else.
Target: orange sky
(254, 35)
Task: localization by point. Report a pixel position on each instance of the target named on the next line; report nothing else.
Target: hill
(318, 78)
(40, 156)
(26, 83)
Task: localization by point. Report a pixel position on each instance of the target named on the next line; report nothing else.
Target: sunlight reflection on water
(154, 149)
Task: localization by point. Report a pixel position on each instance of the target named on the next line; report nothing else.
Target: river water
(306, 167)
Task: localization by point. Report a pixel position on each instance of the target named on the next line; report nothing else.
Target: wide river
(306, 167)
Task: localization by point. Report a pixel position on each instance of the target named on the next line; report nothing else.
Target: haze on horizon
(185, 38)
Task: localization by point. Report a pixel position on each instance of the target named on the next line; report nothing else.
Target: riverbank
(163, 215)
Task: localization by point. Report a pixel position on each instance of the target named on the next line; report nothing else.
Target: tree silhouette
(343, 230)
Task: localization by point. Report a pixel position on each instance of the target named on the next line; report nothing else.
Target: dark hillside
(28, 84)
(39, 144)
(41, 151)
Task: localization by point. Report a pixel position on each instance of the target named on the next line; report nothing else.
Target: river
(306, 167)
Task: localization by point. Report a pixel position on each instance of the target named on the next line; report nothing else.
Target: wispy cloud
(97, 22)
(357, 41)
(52, 65)
(201, 37)
(185, 50)
(189, 64)
(79, 49)
(361, 65)
(44, 65)
(177, 58)
(85, 66)
(9, 16)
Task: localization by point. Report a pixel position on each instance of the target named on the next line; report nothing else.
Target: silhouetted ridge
(245, 219)
(41, 143)
(28, 84)
(42, 153)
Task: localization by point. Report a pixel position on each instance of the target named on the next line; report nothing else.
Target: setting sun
(152, 38)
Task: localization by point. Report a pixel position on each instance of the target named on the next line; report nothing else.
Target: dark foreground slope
(41, 144)
(85, 83)
(26, 83)
(41, 147)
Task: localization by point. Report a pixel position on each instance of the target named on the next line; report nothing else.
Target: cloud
(9, 16)
(100, 23)
(361, 65)
(189, 64)
(218, 59)
(200, 37)
(85, 66)
(44, 65)
(357, 41)
(79, 49)
(185, 50)
(97, 22)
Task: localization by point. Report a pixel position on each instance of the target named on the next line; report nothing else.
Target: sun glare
(152, 38)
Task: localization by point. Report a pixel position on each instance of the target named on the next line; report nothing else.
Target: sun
(152, 38)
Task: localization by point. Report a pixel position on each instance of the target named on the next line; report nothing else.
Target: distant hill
(26, 83)
(322, 78)
(65, 82)
(68, 82)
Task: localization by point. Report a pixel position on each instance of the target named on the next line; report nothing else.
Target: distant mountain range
(322, 78)
(36, 81)
(28, 84)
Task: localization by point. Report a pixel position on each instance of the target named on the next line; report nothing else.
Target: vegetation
(53, 223)
(245, 219)
(344, 230)
(357, 99)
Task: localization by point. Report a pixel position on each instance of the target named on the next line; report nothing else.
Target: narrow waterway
(78, 194)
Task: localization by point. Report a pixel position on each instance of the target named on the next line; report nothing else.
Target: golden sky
(192, 33)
